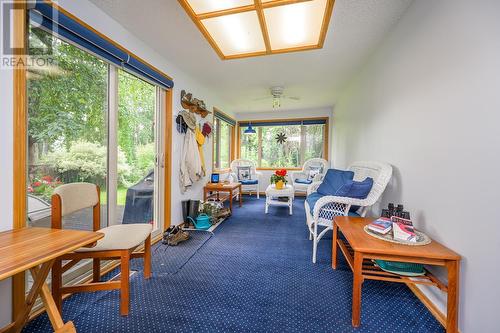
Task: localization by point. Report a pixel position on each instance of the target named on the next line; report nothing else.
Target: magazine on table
(403, 230)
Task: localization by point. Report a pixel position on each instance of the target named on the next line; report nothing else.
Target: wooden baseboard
(433, 309)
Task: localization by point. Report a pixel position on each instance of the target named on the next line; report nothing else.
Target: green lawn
(121, 196)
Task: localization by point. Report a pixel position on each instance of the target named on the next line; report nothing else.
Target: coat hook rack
(194, 105)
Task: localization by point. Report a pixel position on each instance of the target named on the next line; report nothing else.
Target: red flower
(281, 172)
(36, 184)
(30, 189)
(48, 179)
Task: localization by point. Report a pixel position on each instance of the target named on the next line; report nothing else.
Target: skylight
(247, 28)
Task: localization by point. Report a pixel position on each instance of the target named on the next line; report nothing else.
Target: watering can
(202, 221)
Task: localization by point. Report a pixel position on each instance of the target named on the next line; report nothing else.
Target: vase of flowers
(279, 179)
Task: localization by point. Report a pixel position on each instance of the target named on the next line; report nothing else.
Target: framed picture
(215, 178)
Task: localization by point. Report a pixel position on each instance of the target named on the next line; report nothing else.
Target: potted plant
(279, 179)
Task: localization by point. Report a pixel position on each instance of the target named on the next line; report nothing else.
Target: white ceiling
(316, 76)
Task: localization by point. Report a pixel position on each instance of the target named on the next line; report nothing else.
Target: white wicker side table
(272, 195)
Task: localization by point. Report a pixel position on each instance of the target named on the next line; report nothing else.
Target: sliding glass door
(89, 121)
(67, 127)
(138, 152)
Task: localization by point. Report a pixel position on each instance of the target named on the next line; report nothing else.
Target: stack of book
(381, 226)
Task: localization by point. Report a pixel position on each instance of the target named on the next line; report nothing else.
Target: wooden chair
(119, 242)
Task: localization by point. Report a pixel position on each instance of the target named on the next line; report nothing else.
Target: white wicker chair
(327, 207)
(304, 173)
(255, 175)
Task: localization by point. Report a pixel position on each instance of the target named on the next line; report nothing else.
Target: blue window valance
(318, 121)
(63, 25)
(222, 116)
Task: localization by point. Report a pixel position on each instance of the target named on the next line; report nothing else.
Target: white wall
(287, 114)
(93, 16)
(428, 103)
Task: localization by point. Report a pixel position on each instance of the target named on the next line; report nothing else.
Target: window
(223, 140)
(136, 149)
(284, 144)
(67, 126)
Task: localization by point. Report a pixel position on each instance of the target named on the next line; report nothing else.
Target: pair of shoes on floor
(175, 235)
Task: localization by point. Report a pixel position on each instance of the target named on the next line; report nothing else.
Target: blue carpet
(253, 275)
(171, 259)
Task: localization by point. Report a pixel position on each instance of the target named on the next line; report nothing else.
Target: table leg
(334, 245)
(231, 200)
(356, 289)
(204, 194)
(290, 205)
(40, 288)
(240, 195)
(453, 267)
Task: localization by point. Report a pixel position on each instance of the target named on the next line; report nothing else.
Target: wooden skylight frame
(258, 7)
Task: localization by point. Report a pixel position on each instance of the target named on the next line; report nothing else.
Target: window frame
(231, 140)
(325, 138)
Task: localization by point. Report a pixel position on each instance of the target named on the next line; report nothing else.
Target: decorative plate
(422, 239)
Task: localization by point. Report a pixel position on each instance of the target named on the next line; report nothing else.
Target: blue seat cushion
(303, 181)
(334, 180)
(312, 199)
(249, 182)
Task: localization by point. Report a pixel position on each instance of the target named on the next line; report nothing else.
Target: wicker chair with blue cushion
(344, 193)
(313, 171)
(245, 172)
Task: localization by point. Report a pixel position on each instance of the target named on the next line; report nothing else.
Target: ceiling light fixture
(246, 28)
(249, 129)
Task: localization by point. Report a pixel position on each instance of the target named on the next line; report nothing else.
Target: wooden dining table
(36, 249)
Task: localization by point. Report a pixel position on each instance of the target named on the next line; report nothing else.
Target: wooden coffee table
(223, 192)
(359, 249)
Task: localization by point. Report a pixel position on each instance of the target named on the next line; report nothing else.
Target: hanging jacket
(191, 170)
(200, 139)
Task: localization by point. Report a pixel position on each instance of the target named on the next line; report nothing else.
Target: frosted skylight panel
(237, 33)
(295, 25)
(245, 28)
(207, 6)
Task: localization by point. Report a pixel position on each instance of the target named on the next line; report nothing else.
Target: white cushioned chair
(251, 184)
(327, 207)
(301, 179)
(119, 242)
